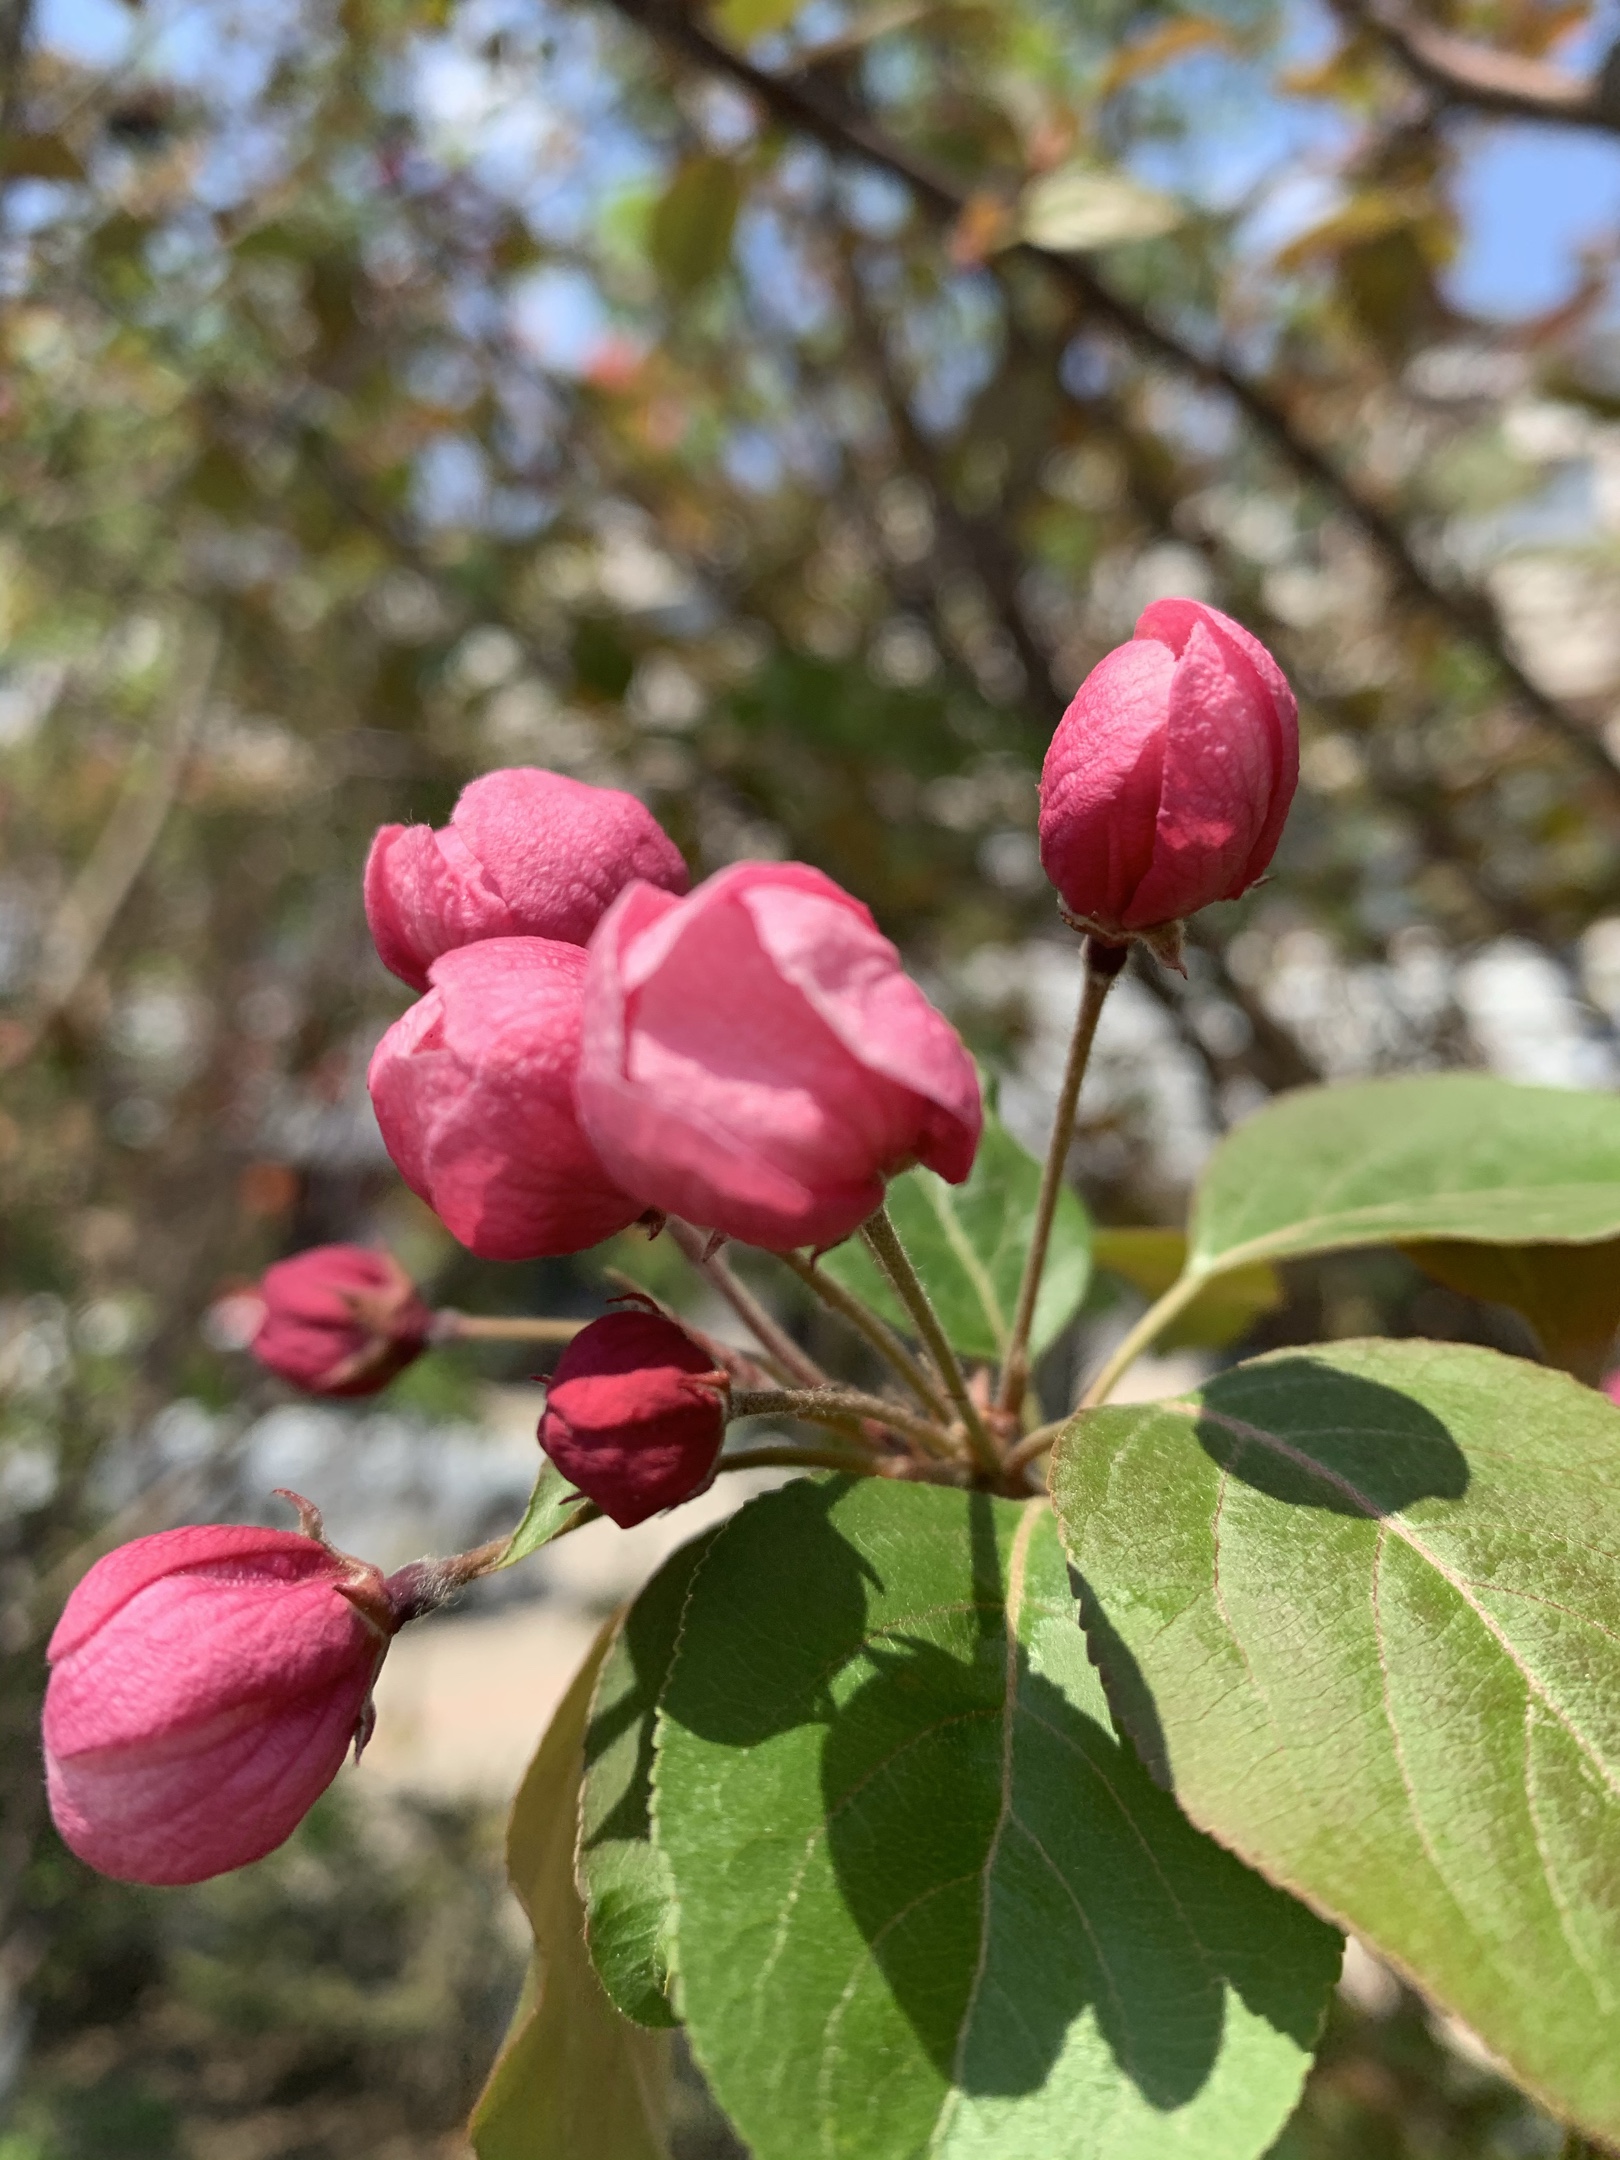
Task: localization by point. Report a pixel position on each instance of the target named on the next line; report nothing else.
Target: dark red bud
(635, 1414)
(340, 1320)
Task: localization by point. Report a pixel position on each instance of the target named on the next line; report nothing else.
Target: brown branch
(804, 106)
(1511, 86)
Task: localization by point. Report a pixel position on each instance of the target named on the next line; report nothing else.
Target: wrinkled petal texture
(627, 1421)
(205, 1685)
(527, 853)
(756, 1061)
(1169, 779)
(473, 1090)
(312, 1333)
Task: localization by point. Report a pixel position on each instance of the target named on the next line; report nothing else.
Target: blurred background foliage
(776, 409)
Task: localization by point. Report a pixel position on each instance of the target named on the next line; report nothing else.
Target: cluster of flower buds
(593, 1045)
(751, 1057)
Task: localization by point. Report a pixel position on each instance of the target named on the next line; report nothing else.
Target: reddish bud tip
(635, 1414)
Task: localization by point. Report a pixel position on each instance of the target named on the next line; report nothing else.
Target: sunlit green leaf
(1083, 206)
(1358, 1606)
(554, 1506)
(968, 1243)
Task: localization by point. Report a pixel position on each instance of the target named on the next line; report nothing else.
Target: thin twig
(1152, 1324)
(807, 106)
(786, 1455)
(874, 1330)
(895, 1261)
(452, 1326)
(836, 1406)
(1102, 968)
(1034, 1444)
(768, 1332)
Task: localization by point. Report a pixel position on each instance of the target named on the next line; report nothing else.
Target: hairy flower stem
(452, 1326)
(771, 1337)
(884, 1243)
(1152, 1324)
(876, 1331)
(836, 1406)
(1103, 963)
(1033, 1444)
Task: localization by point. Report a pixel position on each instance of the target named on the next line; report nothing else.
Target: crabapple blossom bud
(339, 1320)
(1170, 775)
(635, 1414)
(525, 854)
(756, 1061)
(473, 1090)
(205, 1686)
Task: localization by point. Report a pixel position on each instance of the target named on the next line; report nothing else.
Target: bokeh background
(775, 409)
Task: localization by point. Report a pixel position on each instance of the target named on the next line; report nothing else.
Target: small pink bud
(525, 854)
(340, 1320)
(1170, 775)
(205, 1686)
(1610, 1384)
(635, 1414)
(474, 1092)
(756, 1060)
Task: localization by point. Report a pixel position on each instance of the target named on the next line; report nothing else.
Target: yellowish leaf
(574, 2080)
(1079, 207)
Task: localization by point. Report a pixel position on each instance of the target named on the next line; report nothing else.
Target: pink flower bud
(1171, 773)
(474, 1092)
(635, 1414)
(525, 854)
(340, 1320)
(756, 1061)
(205, 1686)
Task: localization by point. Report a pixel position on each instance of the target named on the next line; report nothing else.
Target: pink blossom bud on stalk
(340, 1320)
(1170, 775)
(635, 1414)
(525, 854)
(756, 1061)
(474, 1092)
(205, 1686)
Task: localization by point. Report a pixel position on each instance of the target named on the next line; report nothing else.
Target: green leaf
(40, 157)
(1085, 206)
(623, 1877)
(554, 1506)
(689, 234)
(1360, 1607)
(1570, 1294)
(968, 1244)
(744, 20)
(1151, 1260)
(1444, 1155)
(574, 2080)
(927, 1903)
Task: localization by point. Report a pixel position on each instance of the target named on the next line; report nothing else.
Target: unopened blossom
(526, 853)
(474, 1093)
(756, 1060)
(1170, 775)
(205, 1686)
(635, 1414)
(339, 1320)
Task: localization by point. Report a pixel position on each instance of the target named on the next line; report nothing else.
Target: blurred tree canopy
(774, 408)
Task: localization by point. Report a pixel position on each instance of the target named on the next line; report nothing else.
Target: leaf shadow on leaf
(1006, 1875)
(1384, 1451)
